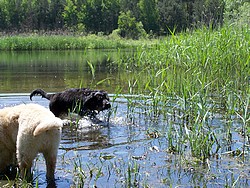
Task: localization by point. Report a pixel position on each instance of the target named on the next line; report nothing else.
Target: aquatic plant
(202, 72)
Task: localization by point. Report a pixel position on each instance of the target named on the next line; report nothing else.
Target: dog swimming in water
(82, 101)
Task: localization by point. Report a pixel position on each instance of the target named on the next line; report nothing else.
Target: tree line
(128, 18)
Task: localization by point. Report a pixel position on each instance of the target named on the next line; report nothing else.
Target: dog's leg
(25, 169)
(50, 158)
(25, 156)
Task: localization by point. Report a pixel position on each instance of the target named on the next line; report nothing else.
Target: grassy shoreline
(67, 42)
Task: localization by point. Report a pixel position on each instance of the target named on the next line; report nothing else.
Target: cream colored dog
(32, 129)
(8, 135)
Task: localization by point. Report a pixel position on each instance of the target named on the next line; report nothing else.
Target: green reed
(80, 177)
(206, 71)
(244, 115)
(132, 175)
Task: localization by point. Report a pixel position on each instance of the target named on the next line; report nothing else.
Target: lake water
(55, 71)
(132, 150)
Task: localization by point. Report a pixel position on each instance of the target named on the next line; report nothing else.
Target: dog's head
(97, 101)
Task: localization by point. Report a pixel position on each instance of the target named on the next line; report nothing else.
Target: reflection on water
(55, 71)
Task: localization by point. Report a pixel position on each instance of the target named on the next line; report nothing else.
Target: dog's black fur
(10, 173)
(82, 101)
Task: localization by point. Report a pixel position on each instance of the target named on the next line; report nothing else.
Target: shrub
(129, 27)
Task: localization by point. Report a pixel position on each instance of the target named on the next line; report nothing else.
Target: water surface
(55, 71)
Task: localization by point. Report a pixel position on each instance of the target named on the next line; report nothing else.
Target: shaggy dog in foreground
(82, 101)
(28, 130)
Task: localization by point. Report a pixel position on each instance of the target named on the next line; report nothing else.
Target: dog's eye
(100, 96)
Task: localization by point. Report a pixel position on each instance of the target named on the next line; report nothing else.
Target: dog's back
(37, 119)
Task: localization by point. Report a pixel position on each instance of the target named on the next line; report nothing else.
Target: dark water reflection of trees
(57, 70)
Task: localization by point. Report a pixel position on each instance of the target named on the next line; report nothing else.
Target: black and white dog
(82, 101)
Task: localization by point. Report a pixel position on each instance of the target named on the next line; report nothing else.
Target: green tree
(149, 15)
(4, 18)
(56, 9)
(137, 16)
(208, 12)
(237, 11)
(110, 15)
(70, 14)
(101, 16)
(129, 27)
(28, 9)
(132, 6)
(14, 13)
(172, 15)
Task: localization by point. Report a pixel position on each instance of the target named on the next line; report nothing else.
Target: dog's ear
(95, 96)
(98, 94)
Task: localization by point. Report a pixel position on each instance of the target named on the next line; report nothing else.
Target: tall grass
(207, 73)
(194, 60)
(64, 42)
(205, 62)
